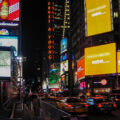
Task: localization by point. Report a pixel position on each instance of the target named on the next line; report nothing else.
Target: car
(72, 105)
(52, 97)
(101, 104)
(115, 97)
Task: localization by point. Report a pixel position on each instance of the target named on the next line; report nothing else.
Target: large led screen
(100, 59)
(98, 16)
(63, 67)
(81, 68)
(54, 76)
(8, 41)
(5, 64)
(63, 57)
(118, 62)
(63, 45)
(9, 10)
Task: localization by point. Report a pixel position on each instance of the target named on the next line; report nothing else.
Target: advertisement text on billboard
(98, 17)
(100, 59)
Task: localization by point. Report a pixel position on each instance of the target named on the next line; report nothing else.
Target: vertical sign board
(5, 63)
(81, 68)
(118, 62)
(63, 45)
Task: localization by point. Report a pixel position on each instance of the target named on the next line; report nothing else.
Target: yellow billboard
(98, 16)
(100, 59)
(118, 62)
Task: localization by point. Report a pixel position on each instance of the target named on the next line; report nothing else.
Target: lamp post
(20, 61)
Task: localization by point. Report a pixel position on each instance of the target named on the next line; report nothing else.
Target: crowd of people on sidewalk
(32, 101)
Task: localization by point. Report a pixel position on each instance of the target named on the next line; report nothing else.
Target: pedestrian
(36, 105)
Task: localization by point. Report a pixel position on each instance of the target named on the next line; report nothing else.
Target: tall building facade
(55, 28)
(66, 22)
(80, 11)
(58, 27)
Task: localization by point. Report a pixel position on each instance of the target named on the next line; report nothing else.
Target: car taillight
(99, 105)
(86, 105)
(117, 99)
(69, 105)
(114, 105)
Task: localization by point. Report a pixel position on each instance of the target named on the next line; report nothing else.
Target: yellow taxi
(52, 97)
(73, 105)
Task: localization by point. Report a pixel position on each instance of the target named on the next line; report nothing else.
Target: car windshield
(102, 100)
(116, 96)
(73, 100)
(98, 100)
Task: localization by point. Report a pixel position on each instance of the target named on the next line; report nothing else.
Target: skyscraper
(55, 28)
(91, 17)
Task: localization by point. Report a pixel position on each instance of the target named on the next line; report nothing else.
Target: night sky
(33, 33)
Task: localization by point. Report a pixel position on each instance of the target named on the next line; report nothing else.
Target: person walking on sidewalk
(36, 105)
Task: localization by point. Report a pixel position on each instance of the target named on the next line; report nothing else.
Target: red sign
(81, 68)
(82, 85)
(9, 10)
(51, 42)
(54, 89)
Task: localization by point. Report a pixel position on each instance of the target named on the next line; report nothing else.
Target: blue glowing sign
(64, 57)
(63, 45)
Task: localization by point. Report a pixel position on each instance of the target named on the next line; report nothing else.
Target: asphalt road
(102, 116)
(98, 116)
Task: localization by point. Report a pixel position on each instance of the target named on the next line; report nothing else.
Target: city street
(91, 116)
(60, 60)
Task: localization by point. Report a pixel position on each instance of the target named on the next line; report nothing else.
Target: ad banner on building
(10, 41)
(63, 45)
(81, 68)
(100, 59)
(5, 64)
(98, 17)
(63, 67)
(9, 10)
(118, 62)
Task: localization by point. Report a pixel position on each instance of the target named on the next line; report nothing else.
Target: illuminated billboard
(11, 31)
(5, 64)
(100, 59)
(63, 67)
(9, 10)
(98, 17)
(118, 62)
(81, 68)
(63, 45)
(54, 76)
(4, 32)
(10, 41)
(64, 57)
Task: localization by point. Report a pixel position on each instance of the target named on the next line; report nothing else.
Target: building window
(115, 14)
